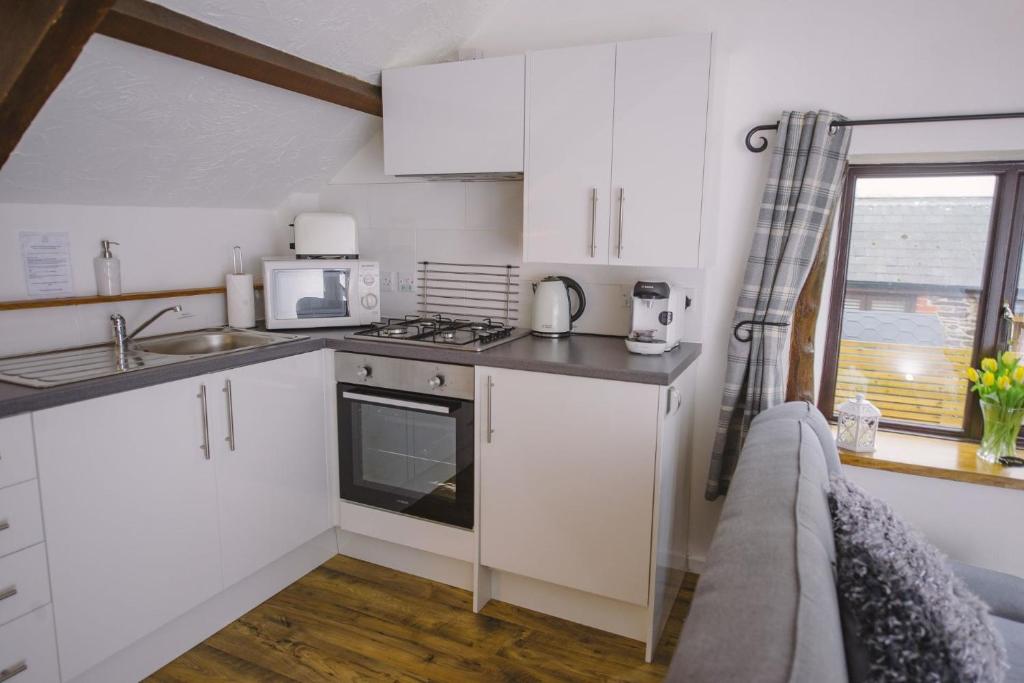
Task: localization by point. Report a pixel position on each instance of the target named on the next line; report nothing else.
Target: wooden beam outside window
(155, 27)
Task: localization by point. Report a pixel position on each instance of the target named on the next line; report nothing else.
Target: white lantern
(857, 425)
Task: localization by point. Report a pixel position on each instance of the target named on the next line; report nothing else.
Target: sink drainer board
(53, 368)
(74, 365)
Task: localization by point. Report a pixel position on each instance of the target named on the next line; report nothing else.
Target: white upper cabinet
(661, 93)
(454, 118)
(624, 123)
(570, 95)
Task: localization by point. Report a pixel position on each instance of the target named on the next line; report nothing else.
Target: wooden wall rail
(134, 296)
(158, 28)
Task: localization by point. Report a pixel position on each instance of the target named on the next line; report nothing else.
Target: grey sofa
(766, 607)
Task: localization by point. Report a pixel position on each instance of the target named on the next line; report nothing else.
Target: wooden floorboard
(350, 620)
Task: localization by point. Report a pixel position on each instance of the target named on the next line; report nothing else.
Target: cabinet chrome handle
(206, 422)
(10, 672)
(622, 226)
(8, 593)
(4, 525)
(593, 222)
(230, 438)
(490, 397)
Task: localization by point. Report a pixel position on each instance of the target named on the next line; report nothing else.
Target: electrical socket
(405, 282)
(387, 282)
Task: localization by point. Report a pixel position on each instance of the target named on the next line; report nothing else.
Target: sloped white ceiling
(129, 126)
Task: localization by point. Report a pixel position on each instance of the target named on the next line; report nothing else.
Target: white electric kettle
(552, 309)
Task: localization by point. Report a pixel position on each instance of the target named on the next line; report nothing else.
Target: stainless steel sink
(204, 343)
(65, 366)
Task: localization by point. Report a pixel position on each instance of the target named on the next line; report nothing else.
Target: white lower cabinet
(130, 504)
(567, 480)
(24, 583)
(21, 524)
(273, 488)
(148, 512)
(28, 653)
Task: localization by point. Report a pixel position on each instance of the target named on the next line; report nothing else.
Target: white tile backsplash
(494, 206)
(442, 206)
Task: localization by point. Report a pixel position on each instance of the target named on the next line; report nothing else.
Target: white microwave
(320, 292)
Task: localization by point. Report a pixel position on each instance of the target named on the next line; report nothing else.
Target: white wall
(161, 248)
(870, 59)
(968, 522)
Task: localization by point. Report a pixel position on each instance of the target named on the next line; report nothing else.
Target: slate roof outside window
(919, 240)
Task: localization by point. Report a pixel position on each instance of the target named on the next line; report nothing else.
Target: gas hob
(437, 330)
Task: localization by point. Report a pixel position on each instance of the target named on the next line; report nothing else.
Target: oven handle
(397, 402)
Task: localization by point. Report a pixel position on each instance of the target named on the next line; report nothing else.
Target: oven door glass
(311, 293)
(407, 453)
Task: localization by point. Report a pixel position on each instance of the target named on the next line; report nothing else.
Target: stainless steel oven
(405, 436)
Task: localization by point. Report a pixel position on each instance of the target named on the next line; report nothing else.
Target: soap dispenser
(108, 271)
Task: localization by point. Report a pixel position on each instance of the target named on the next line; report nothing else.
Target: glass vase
(1002, 425)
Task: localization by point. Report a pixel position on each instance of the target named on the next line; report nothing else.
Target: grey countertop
(580, 355)
(583, 355)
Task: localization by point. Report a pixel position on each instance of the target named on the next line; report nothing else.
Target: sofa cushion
(766, 606)
(1013, 634)
(1003, 593)
(915, 619)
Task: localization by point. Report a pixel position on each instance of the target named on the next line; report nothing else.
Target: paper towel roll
(241, 300)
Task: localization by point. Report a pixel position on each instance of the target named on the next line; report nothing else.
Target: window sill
(926, 456)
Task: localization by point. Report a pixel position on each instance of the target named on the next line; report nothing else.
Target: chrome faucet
(121, 338)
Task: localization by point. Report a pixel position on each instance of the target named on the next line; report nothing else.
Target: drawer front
(21, 521)
(24, 582)
(17, 453)
(28, 651)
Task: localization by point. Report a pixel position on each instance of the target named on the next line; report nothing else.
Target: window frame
(999, 277)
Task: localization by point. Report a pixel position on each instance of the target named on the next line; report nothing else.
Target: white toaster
(325, 235)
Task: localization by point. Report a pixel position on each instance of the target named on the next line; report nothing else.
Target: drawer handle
(8, 593)
(4, 525)
(9, 673)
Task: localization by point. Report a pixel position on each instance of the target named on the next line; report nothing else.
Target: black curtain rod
(763, 144)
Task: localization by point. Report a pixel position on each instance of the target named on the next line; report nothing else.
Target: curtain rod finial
(762, 145)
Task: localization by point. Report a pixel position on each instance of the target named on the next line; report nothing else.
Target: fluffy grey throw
(915, 620)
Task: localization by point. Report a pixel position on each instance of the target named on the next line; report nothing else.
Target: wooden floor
(353, 621)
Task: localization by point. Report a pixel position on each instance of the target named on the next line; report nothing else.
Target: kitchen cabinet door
(661, 96)
(569, 105)
(273, 486)
(130, 513)
(567, 480)
(456, 117)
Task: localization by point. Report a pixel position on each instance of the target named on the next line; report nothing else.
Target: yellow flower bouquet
(999, 383)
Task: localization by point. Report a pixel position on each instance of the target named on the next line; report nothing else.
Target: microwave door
(311, 293)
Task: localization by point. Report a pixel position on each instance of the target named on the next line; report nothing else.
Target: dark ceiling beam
(39, 41)
(158, 28)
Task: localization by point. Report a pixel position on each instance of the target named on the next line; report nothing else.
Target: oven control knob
(369, 301)
(368, 280)
(436, 381)
(364, 371)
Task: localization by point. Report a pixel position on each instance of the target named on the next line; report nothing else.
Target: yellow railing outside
(923, 384)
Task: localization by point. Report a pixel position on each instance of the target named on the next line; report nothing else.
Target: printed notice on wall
(46, 259)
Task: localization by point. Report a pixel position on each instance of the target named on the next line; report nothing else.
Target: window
(926, 256)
